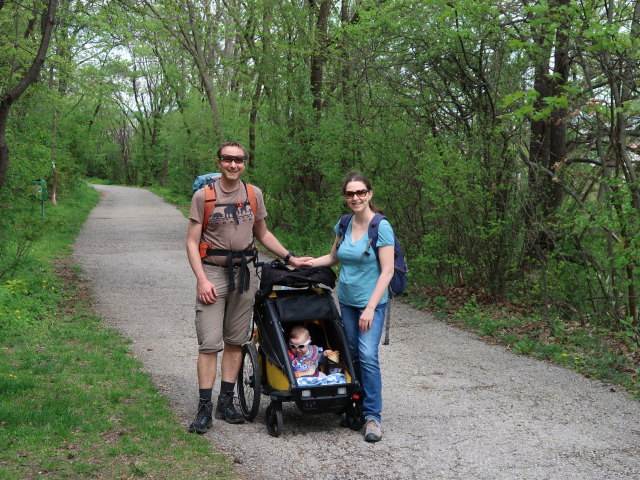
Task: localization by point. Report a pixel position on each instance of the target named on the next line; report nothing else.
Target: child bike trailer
(288, 298)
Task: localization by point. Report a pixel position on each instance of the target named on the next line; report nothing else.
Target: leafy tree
(24, 61)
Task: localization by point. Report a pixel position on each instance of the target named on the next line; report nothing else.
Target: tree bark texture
(547, 147)
(319, 51)
(8, 98)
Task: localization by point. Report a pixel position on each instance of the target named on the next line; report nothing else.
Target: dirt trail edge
(454, 407)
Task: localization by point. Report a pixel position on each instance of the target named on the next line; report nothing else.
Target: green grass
(599, 353)
(74, 402)
(181, 202)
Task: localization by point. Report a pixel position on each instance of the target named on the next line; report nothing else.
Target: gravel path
(454, 407)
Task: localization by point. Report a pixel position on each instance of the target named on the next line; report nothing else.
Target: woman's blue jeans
(364, 352)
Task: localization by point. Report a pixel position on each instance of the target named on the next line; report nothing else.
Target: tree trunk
(548, 149)
(54, 186)
(8, 98)
(253, 117)
(54, 153)
(626, 89)
(318, 53)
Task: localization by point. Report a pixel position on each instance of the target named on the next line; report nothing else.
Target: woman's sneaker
(226, 410)
(202, 422)
(373, 430)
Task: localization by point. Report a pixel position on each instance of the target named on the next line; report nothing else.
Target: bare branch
(552, 176)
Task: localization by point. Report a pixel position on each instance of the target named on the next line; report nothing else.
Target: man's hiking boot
(202, 422)
(226, 410)
(373, 430)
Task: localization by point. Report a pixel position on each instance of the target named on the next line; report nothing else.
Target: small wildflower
(576, 358)
(12, 376)
(18, 311)
(565, 354)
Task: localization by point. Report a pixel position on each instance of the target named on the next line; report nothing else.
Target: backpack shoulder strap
(209, 204)
(342, 228)
(372, 231)
(251, 196)
(210, 201)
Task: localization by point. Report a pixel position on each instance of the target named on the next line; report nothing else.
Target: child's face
(303, 340)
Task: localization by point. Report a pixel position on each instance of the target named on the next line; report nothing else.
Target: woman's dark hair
(359, 177)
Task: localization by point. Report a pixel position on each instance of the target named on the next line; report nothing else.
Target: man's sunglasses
(231, 158)
(359, 193)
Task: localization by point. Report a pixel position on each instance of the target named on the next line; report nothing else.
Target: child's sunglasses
(292, 347)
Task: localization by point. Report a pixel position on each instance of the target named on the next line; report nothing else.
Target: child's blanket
(330, 379)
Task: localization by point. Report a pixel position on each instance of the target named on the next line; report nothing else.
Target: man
(226, 288)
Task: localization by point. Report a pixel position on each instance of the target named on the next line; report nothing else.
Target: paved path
(454, 407)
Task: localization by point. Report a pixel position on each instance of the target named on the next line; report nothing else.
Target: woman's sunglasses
(359, 193)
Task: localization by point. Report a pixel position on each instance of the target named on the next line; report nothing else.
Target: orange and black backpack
(231, 255)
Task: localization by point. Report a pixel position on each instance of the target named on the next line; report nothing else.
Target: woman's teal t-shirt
(359, 273)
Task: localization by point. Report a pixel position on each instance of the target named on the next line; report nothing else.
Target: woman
(363, 292)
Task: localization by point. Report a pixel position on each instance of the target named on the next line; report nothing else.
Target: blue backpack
(203, 180)
(398, 282)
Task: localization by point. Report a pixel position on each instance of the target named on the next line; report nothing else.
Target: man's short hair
(231, 144)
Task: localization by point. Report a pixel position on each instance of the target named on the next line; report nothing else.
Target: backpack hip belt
(230, 265)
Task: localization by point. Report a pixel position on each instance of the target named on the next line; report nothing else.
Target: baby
(306, 358)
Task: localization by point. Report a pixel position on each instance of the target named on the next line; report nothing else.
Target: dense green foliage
(501, 137)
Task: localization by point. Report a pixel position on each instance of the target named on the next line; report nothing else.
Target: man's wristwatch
(288, 257)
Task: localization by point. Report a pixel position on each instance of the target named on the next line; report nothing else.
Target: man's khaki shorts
(228, 319)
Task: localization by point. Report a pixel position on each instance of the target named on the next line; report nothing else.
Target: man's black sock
(205, 395)
(226, 388)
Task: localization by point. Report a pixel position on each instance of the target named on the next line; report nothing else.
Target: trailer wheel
(249, 386)
(355, 416)
(273, 418)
